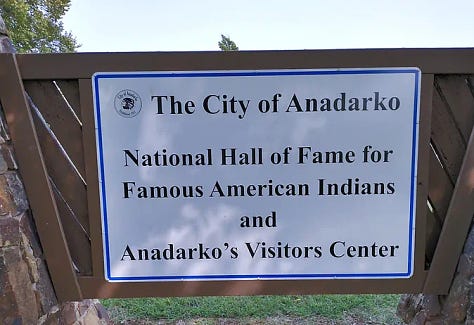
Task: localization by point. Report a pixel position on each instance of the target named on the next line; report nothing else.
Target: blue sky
(153, 25)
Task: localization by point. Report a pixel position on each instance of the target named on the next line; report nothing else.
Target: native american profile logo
(127, 103)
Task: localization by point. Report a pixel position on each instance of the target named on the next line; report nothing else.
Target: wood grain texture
(433, 229)
(77, 240)
(60, 119)
(455, 227)
(70, 90)
(441, 188)
(92, 178)
(64, 175)
(84, 65)
(446, 138)
(455, 91)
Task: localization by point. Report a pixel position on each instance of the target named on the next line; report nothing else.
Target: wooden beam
(83, 65)
(455, 227)
(97, 287)
(33, 171)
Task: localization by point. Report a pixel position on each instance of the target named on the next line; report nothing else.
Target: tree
(35, 26)
(226, 44)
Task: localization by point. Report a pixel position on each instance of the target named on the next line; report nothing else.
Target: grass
(374, 308)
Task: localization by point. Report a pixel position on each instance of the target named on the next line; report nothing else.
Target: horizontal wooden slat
(83, 65)
(70, 90)
(456, 92)
(63, 174)
(446, 137)
(59, 117)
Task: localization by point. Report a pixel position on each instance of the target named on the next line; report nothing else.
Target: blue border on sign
(416, 102)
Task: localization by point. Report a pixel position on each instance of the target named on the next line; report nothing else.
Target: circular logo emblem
(128, 103)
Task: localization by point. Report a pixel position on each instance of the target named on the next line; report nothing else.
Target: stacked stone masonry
(455, 308)
(26, 293)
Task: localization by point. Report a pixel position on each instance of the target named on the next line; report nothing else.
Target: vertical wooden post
(422, 170)
(90, 158)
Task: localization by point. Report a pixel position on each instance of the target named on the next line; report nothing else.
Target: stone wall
(26, 292)
(455, 308)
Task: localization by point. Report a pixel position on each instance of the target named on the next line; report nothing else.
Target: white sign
(227, 175)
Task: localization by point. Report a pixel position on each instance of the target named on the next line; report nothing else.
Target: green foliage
(35, 25)
(367, 308)
(226, 44)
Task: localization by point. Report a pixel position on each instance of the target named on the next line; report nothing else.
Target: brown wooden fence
(48, 105)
